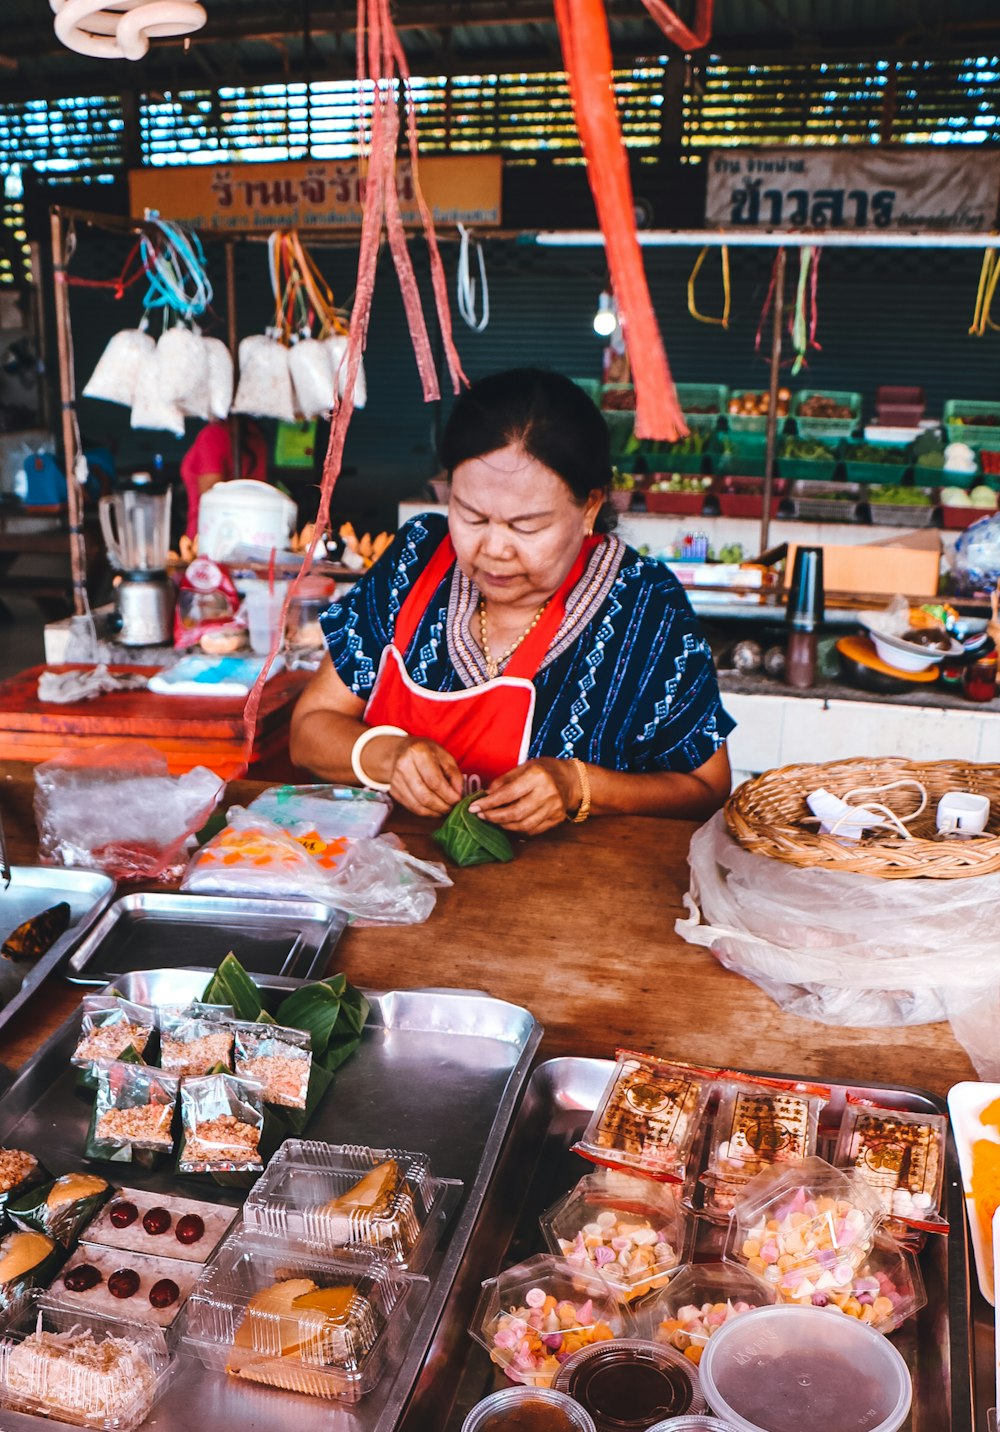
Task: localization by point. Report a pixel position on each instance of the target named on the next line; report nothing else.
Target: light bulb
(606, 317)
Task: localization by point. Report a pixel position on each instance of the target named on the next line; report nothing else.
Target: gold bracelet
(583, 809)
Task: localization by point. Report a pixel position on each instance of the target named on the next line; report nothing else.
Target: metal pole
(780, 264)
(232, 335)
(67, 390)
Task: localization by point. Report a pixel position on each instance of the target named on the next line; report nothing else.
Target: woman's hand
(531, 798)
(424, 777)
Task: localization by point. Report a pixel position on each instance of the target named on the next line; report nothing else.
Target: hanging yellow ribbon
(722, 322)
(989, 278)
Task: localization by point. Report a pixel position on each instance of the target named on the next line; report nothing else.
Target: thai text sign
(853, 188)
(307, 194)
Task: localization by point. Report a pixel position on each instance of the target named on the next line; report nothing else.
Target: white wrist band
(359, 746)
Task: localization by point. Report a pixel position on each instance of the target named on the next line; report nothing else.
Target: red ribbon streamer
(675, 29)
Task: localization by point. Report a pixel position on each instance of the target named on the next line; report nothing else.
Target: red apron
(486, 728)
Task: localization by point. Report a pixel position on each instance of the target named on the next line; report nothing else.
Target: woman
(510, 649)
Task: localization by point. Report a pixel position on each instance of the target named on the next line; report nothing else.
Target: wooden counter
(580, 930)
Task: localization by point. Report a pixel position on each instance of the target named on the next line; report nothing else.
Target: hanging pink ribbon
(674, 27)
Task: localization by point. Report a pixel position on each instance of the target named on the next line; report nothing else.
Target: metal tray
(439, 1071)
(32, 889)
(537, 1167)
(152, 931)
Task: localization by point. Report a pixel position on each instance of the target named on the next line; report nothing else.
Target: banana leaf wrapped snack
(62, 1208)
(133, 1114)
(468, 840)
(20, 1172)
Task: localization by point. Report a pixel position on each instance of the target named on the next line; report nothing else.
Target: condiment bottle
(805, 614)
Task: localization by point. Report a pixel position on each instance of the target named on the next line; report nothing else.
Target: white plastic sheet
(849, 949)
(312, 380)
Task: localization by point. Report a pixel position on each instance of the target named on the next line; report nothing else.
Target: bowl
(513, 1406)
(786, 1369)
(904, 656)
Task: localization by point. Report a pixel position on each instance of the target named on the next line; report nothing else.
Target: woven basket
(766, 815)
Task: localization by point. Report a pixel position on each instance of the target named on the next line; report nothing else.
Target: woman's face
(515, 526)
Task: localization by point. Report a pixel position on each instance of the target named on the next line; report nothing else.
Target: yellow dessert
(74, 1186)
(21, 1253)
(371, 1197)
(295, 1333)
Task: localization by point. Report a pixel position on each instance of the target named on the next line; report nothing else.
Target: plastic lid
(628, 1383)
(786, 1368)
(511, 1404)
(699, 1422)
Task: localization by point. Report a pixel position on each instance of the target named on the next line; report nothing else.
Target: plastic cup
(492, 1414)
(787, 1368)
(696, 1422)
(263, 609)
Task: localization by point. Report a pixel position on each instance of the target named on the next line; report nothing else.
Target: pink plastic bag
(117, 808)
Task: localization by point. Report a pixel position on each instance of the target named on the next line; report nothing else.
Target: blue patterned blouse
(628, 684)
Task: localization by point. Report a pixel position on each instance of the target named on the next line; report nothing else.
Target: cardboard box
(909, 564)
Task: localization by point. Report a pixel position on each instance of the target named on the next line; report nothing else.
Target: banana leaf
(468, 840)
(314, 1008)
(232, 985)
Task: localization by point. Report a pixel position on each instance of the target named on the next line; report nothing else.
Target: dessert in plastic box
(109, 1027)
(78, 1367)
(26, 1258)
(630, 1230)
(532, 1317)
(330, 1196)
(759, 1123)
(901, 1155)
(626, 1384)
(136, 1286)
(648, 1117)
(886, 1290)
(222, 1120)
(528, 1409)
(700, 1299)
(193, 1043)
(787, 1369)
(133, 1113)
(63, 1207)
(273, 1316)
(805, 1229)
(140, 1221)
(277, 1058)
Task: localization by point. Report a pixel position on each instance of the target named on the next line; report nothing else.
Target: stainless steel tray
(438, 1071)
(152, 931)
(32, 889)
(537, 1167)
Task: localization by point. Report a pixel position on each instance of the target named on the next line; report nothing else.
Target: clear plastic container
(700, 1299)
(785, 1369)
(887, 1289)
(246, 1317)
(648, 1117)
(68, 1387)
(758, 1124)
(631, 1230)
(626, 1384)
(325, 1196)
(540, 1309)
(697, 1422)
(901, 1154)
(805, 1229)
(511, 1405)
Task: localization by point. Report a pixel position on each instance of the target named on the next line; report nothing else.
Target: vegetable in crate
(36, 936)
(757, 405)
(807, 450)
(883, 454)
(819, 406)
(677, 483)
(468, 840)
(899, 497)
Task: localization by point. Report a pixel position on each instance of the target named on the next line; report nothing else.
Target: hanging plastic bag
(336, 347)
(848, 949)
(114, 378)
(117, 808)
(149, 407)
(182, 369)
(976, 559)
(312, 379)
(220, 377)
(265, 386)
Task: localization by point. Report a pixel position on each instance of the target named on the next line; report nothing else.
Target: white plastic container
(243, 513)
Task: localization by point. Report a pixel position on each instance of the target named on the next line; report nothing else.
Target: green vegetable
(899, 497)
(677, 483)
(806, 450)
(984, 497)
(468, 840)
(876, 453)
(933, 459)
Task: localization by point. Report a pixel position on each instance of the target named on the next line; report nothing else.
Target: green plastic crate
(621, 429)
(827, 427)
(893, 473)
(800, 469)
(739, 464)
(975, 435)
(592, 388)
(702, 395)
(742, 422)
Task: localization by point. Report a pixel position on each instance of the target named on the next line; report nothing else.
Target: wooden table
(580, 930)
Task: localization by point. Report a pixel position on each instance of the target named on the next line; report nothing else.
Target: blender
(135, 523)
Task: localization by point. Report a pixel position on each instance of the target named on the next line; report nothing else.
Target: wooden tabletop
(580, 930)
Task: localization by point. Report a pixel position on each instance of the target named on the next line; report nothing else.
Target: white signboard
(850, 187)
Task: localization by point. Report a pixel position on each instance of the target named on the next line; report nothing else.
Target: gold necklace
(493, 665)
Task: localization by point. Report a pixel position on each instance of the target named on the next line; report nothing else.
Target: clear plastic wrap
(975, 561)
(326, 812)
(373, 879)
(698, 1300)
(191, 1044)
(277, 1058)
(336, 347)
(851, 949)
(133, 1113)
(114, 378)
(902, 1155)
(117, 808)
(222, 1119)
(62, 1208)
(313, 382)
(265, 386)
(109, 1026)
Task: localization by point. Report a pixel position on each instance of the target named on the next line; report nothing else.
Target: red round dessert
(82, 1278)
(163, 1293)
(124, 1283)
(189, 1228)
(157, 1221)
(122, 1214)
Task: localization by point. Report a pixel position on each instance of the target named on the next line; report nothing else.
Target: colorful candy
(692, 1327)
(532, 1341)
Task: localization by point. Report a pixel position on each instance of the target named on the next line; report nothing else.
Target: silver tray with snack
(538, 1168)
(438, 1072)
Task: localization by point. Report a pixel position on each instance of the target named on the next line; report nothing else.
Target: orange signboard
(314, 194)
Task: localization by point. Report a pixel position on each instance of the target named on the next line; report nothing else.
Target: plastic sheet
(150, 409)
(117, 808)
(976, 559)
(182, 368)
(849, 949)
(372, 880)
(220, 377)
